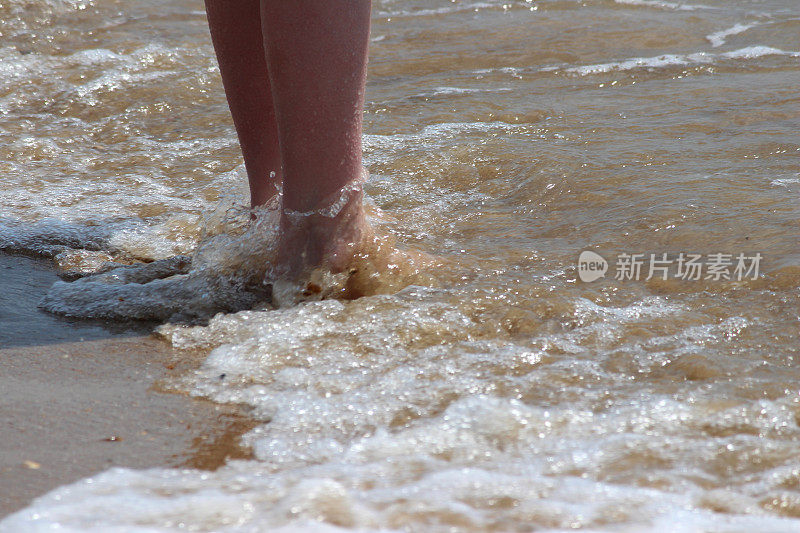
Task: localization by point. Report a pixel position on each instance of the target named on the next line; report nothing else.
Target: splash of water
(232, 268)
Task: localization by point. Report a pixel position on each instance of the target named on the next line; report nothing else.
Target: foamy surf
(717, 38)
(671, 60)
(369, 431)
(658, 4)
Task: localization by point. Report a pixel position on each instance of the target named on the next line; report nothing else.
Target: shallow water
(23, 281)
(497, 392)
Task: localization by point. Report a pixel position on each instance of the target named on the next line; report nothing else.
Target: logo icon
(591, 266)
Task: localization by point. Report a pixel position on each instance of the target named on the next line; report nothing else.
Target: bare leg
(238, 41)
(317, 56)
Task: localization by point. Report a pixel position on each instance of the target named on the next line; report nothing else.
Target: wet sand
(77, 398)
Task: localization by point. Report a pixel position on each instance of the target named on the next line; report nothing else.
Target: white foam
(786, 182)
(440, 132)
(50, 5)
(718, 38)
(753, 52)
(93, 56)
(449, 91)
(516, 72)
(658, 4)
(668, 60)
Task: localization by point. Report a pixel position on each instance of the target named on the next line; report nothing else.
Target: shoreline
(78, 398)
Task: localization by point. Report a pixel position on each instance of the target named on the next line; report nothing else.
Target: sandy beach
(77, 398)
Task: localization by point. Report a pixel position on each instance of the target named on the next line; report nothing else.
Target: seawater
(494, 391)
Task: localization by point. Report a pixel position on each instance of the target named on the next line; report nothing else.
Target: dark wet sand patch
(23, 283)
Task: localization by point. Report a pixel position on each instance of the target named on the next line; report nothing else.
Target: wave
(717, 38)
(387, 411)
(670, 60)
(663, 5)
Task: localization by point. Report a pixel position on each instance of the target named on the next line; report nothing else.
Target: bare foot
(329, 236)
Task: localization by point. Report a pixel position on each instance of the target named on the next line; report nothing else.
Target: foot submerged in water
(327, 237)
(273, 258)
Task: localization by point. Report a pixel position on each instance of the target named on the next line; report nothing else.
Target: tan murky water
(498, 392)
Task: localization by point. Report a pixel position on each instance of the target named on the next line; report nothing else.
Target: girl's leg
(317, 57)
(238, 41)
